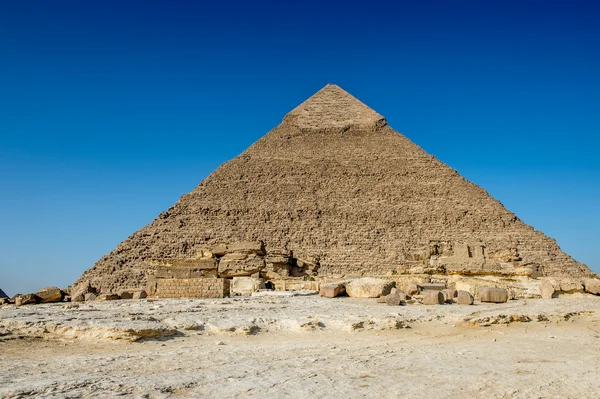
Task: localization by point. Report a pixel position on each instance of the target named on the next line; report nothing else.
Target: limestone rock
(25, 299)
(332, 290)
(547, 289)
(592, 286)
(107, 297)
(496, 295)
(50, 294)
(83, 288)
(464, 298)
(432, 286)
(90, 296)
(449, 295)
(247, 247)
(125, 294)
(139, 294)
(395, 300)
(412, 289)
(368, 287)
(240, 264)
(246, 285)
(4, 301)
(333, 180)
(432, 297)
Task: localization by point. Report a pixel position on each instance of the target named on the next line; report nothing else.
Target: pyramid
(334, 183)
(2, 294)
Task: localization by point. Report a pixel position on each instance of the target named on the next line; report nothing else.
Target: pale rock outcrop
(368, 287)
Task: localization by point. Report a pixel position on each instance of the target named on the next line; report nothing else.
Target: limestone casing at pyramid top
(333, 107)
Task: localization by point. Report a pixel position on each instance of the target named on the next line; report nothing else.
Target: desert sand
(301, 346)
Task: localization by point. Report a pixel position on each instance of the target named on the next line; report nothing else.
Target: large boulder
(332, 290)
(495, 295)
(396, 299)
(464, 298)
(449, 295)
(433, 298)
(412, 289)
(140, 294)
(368, 287)
(247, 247)
(592, 286)
(547, 289)
(25, 299)
(50, 294)
(78, 294)
(240, 264)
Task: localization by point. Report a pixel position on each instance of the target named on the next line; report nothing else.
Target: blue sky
(109, 111)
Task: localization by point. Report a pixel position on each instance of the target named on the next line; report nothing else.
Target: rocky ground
(302, 346)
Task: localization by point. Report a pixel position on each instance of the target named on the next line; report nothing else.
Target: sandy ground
(302, 347)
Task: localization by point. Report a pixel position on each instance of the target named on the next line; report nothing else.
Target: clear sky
(110, 110)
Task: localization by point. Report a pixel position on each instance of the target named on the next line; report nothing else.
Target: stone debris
(296, 205)
(246, 285)
(139, 294)
(107, 297)
(395, 300)
(432, 297)
(546, 289)
(496, 295)
(368, 287)
(25, 299)
(90, 296)
(332, 290)
(449, 295)
(50, 294)
(412, 289)
(592, 286)
(464, 298)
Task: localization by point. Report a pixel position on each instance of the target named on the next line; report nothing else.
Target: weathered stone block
(592, 286)
(495, 295)
(368, 287)
(49, 295)
(233, 265)
(247, 247)
(449, 295)
(107, 297)
(25, 299)
(547, 289)
(464, 298)
(394, 300)
(412, 289)
(431, 286)
(332, 290)
(246, 285)
(90, 296)
(125, 294)
(432, 297)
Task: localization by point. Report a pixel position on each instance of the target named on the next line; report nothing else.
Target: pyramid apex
(333, 107)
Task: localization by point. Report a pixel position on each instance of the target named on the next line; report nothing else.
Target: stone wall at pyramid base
(213, 272)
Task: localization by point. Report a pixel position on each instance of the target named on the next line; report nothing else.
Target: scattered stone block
(382, 299)
(432, 297)
(125, 294)
(220, 250)
(368, 287)
(332, 290)
(592, 286)
(107, 297)
(141, 294)
(547, 289)
(495, 295)
(431, 286)
(90, 296)
(449, 295)
(246, 285)
(394, 300)
(4, 301)
(464, 298)
(49, 295)
(78, 298)
(412, 289)
(25, 299)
